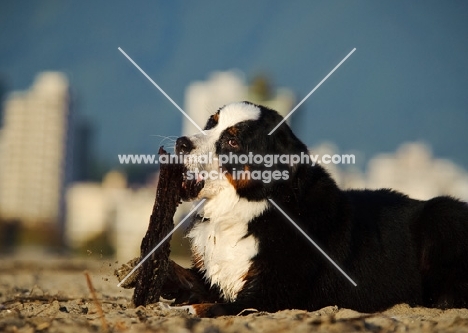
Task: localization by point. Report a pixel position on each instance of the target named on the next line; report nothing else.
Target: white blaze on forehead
(235, 113)
(229, 115)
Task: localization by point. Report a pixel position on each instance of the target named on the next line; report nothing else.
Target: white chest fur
(220, 242)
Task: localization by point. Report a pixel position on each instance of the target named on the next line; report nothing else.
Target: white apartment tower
(33, 151)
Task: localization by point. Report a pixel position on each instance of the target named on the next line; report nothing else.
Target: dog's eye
(233, 143)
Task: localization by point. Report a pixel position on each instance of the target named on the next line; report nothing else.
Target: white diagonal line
(313, 243)
(160, 89)
(161, 242)
(313, 90)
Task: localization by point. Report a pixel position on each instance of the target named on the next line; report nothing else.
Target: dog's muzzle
(183, 146)
(191, 184)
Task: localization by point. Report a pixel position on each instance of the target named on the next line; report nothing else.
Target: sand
(52, 295)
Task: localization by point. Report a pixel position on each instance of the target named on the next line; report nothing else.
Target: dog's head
(237, 151)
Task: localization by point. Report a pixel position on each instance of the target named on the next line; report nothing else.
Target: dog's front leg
(186, 286)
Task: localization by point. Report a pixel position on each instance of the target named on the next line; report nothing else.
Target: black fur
(397, 249)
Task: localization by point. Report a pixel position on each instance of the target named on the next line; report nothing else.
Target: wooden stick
(96, 301)
(153, 272)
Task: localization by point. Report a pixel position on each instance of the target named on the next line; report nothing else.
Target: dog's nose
(183, 145)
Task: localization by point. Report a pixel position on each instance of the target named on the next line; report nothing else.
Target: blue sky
(407, 81)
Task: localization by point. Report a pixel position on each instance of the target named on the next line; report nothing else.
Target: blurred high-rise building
(34, 151)
(82, 150)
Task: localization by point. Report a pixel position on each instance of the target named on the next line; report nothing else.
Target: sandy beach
(52, 295)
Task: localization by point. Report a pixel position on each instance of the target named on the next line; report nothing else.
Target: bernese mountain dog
(248, 255)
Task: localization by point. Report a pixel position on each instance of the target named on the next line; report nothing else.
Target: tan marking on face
(243, 181)
(234, 131)
(216, 117)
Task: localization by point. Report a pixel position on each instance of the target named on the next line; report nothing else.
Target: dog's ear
(283, 141)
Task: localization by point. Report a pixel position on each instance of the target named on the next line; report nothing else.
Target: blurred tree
(261, 88)
(82, 152)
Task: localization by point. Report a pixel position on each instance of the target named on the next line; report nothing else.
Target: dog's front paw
(186, 308)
